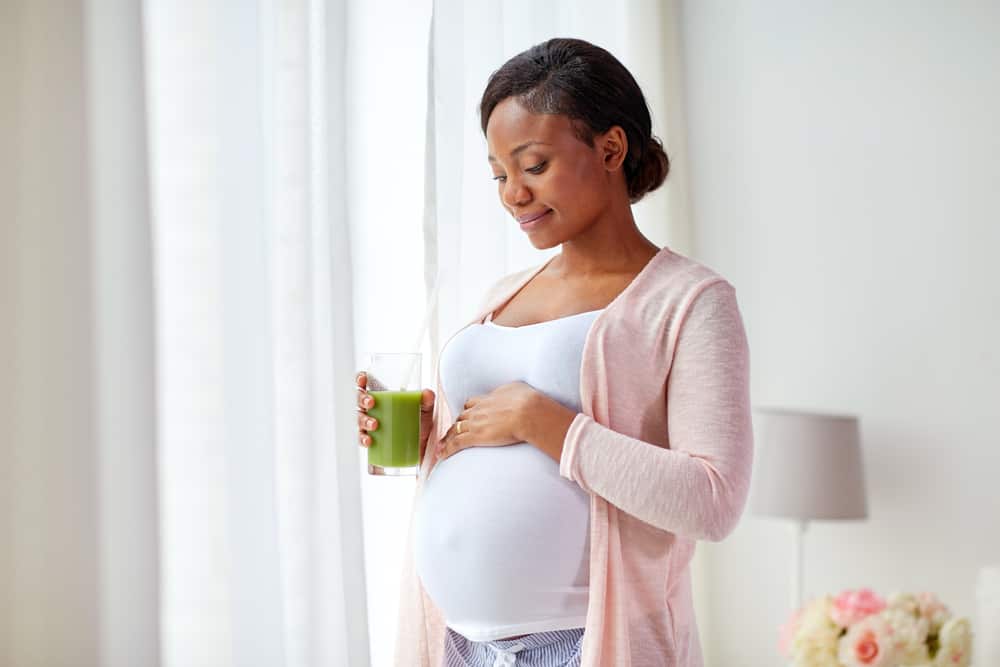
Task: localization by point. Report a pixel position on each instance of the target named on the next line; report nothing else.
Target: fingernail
(369, 401)
(370, 423)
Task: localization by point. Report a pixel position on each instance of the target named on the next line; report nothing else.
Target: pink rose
(868, 644)
(851, 606)
(865, 649)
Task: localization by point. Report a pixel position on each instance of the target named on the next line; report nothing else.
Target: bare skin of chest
(547, 298)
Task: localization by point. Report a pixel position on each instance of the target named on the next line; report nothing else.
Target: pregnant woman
(591, 422)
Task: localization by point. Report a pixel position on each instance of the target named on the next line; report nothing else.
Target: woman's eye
(537, 169)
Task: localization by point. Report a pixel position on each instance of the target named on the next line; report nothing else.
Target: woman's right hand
(367, 424)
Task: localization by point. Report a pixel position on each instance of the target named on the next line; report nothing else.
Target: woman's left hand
(495, 419)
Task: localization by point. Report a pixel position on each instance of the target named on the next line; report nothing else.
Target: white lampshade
(808, 467)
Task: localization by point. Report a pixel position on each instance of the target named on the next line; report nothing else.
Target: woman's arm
(698, 487)
(546, 423)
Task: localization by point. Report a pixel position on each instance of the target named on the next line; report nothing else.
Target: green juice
(396, 441)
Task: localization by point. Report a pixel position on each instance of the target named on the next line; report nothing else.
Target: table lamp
(808, 468)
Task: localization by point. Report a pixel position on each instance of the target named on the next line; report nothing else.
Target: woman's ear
(614, 147)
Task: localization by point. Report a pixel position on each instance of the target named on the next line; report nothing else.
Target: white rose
(908, 635)
(956, 644)
(815, 642)
(935, 611)
(906, 602)
(816, 618)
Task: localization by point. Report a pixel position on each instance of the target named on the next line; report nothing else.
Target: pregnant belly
(502, 540)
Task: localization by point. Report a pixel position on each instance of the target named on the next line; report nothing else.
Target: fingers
(366, 423)
(365, 401)
(427, 401)
(441, 447)
(450, 445)
(452, 440)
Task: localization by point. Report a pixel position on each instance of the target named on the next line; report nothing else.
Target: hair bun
(652, 171)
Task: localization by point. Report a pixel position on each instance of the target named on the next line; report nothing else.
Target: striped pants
(558, 648)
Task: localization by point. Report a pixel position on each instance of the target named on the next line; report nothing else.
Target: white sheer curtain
(258, 462)
(386, 101)
(179, 474)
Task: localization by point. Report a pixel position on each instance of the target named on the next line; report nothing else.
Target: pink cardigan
(663, 446)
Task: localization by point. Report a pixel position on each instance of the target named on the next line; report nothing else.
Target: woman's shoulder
(681, 291)
(513, 279)
(677, 276)
(507, 285)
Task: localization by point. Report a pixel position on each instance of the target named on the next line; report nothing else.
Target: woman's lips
(534, 220)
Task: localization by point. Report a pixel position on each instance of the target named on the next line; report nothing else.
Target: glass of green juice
(394, 384)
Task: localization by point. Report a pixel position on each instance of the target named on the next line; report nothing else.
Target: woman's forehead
(511, 126)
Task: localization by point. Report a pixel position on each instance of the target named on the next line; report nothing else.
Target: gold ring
(458, 427)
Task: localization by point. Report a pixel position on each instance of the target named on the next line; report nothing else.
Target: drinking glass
(394, 384)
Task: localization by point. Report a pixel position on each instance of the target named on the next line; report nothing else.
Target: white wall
(48, 518)
(78, 540)
(844, 168)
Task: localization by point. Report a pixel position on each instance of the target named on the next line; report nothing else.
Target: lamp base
(798, 571)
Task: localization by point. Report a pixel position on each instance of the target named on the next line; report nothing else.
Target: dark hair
(589, 85)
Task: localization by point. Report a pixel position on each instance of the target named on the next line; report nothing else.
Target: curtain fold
(383, 198)
(124, 331)
(259, 488)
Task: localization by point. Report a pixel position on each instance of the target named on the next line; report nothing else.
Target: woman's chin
(543, 242)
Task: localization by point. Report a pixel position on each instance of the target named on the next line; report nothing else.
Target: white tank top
(502, 541)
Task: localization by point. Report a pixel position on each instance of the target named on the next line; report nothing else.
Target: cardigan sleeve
(698, 487)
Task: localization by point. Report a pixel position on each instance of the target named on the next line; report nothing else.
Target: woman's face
(552, 183)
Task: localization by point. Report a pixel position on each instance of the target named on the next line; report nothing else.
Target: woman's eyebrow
(520, 148)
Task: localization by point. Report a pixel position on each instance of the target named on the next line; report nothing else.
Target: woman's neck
(605, 249)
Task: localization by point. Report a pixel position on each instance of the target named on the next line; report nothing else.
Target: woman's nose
(516, 194)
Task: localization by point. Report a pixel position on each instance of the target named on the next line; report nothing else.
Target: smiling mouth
(532, 218)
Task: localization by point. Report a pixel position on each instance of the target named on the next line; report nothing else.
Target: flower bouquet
(860, 629)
